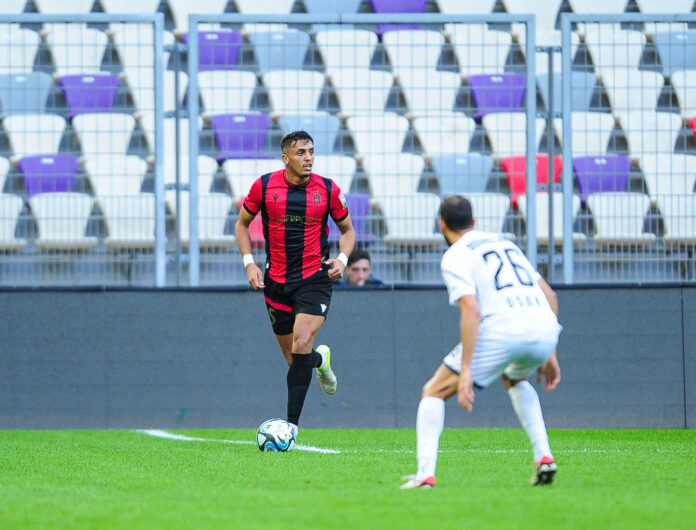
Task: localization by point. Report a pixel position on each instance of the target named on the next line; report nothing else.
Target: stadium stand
(89, 93)
(10, 209)
(32, 134)
(48, 173)
(348, 48)
(213, 211)
(116, 175)
(679, 217)
(445, 133)
(25, 93)
(61, 220)
(462, 173)
(18, 48)
(393, 174)
(224, 92)
(492, 208)
(241, 173)
(104, 132)
(217, 50)
(130, 221)
(542, 217)
(324, 126)
(359, 208)
(619, 218)
(410, 219)
(515, 168)
(241, 135)
(596, 174)
(677, 51)
(360, 90)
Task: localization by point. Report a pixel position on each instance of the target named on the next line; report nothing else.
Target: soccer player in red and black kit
(295, 205)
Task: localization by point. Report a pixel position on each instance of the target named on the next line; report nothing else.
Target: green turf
(124, 479)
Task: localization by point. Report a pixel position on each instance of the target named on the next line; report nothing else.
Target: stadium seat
(86, 93)
(611, 47)
(61, 220)
(321, 125)
(597, 174)
(25, 93)
(75, 48)
(604, 7)
(207, 168)
(359, 209)
(339, 168)
(507, 132)
(315, 7)
(10, 209)
(104, 132)
(445, 133)
(147, 121)
(428, 92)
(479, 49)
(130, 221)
(397, 6)
(213, 211)
(692, 125)
(542, 217)
(669, 174)
(462, 173)
(677, 51)
(13, 7)
(632, 89)
(115, 174)
(18, 47)
(346, 48)
(378, 132)
(545, 11)
(679, 217)
(241, 173)
(413, 48)
(591, 132)
(410, 219)
(497, 93)
(53, 7)
(490, 211)
(217, 50)
(280, 50)
(684, 84)
(466, 7)
(267, 7)
(582, 85)
(515, 168)
(224, 92)
(393, 174)
(361, 90)
(294, 91)
(131, 7)
(48, 173)
(4, 169)
(618, 218)
(32, 134)
(545, 38)
(650, 132)
(181, 9)
(661, 7)
(241, 135)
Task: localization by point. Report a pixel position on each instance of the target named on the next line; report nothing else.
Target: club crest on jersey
(317, 197)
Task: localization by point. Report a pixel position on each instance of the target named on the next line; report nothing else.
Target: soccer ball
(275, 435)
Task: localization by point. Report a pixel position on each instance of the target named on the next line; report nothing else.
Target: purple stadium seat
(241, 135)
(497, 93)
(217, 50)
(359, 208)
(601, 173)
(397, 6)
(89, 93)
(48, 173)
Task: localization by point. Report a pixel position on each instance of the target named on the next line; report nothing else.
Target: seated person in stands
(358, 272)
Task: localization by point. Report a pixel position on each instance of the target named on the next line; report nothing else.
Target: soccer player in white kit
(508, 328)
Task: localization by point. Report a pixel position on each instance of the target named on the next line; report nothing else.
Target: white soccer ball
(275, 435)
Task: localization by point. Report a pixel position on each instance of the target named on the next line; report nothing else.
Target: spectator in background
(358, 272)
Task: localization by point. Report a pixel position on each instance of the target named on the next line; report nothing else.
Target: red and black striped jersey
(295, 222)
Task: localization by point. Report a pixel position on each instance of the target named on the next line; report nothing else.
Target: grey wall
(198, 359)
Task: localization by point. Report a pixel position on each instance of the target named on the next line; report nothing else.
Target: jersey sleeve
(338, 204)
(253, 200)
(458, 278)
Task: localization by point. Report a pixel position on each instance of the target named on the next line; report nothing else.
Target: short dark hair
(293, 137)
(357, 255)
(456, 212)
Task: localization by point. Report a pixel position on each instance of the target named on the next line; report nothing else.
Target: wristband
(247, 259)
(343, 259)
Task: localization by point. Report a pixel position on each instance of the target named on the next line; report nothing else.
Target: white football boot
(327, 379)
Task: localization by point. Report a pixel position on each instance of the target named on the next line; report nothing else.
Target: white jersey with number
(511, 302)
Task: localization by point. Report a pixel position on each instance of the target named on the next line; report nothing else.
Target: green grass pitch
(127, 479)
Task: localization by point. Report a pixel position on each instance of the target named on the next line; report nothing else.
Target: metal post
(160, 232)
(567, 175)
(194, 255)
(551, 136)
(531, 141)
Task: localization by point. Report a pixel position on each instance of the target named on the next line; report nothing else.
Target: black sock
(299, 378)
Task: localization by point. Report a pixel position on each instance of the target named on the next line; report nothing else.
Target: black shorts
(284, 300)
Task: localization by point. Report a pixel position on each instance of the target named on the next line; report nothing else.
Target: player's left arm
(469, 320)
(550, 371)
(346, 242)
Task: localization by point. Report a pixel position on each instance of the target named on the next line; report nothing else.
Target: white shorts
(517, 359)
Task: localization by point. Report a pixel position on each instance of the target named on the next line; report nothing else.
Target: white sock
(525, 402)
(430, 421)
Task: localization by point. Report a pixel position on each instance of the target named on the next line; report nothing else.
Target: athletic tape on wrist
(343, 259)
(247, 259)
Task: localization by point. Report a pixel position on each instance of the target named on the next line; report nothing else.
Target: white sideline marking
(158, 433)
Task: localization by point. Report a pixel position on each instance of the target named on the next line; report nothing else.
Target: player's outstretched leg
(544, 472)
(327, 379)
(430, 420)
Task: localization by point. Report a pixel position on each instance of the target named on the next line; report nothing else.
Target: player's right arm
(243, 234)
